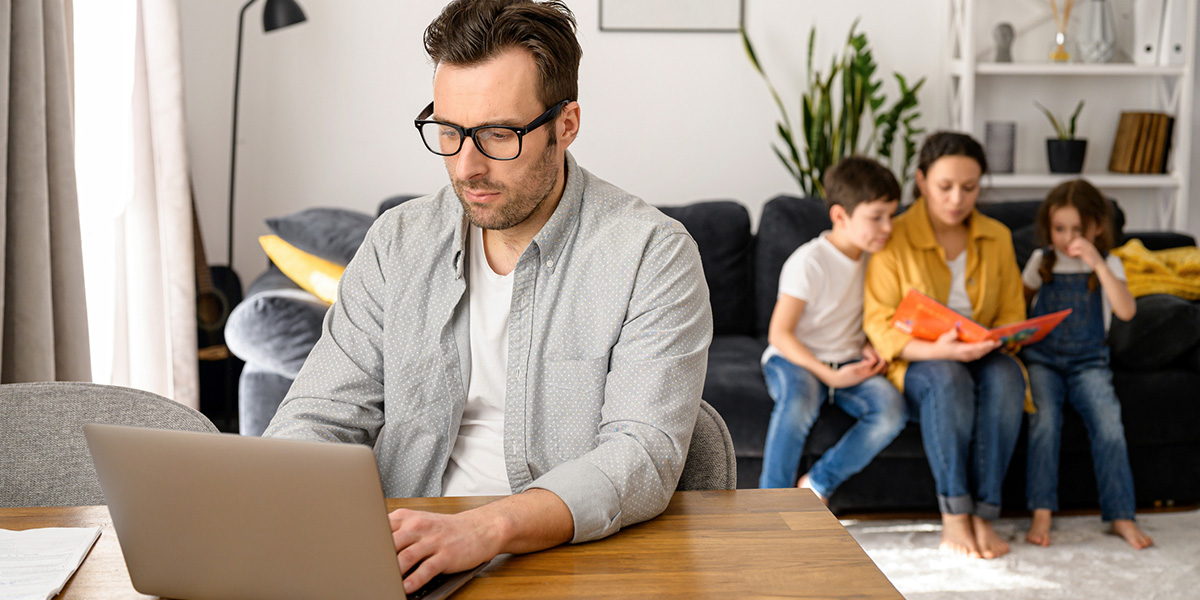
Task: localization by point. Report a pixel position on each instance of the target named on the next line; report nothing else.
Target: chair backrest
(711, 463)
(44, 459)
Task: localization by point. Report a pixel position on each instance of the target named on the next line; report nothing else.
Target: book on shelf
(1142, 142)
(925, 318)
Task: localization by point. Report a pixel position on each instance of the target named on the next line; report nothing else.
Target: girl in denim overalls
(1071, 364)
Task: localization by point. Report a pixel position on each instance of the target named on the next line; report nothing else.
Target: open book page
(925, 318)
(35, 564)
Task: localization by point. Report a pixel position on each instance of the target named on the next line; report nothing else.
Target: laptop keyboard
(430, 587)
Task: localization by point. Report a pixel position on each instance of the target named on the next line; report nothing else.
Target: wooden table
(718, 544)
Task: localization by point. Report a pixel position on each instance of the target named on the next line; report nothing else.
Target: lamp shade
(278, 14)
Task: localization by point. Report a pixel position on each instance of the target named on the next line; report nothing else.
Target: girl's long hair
(1093, 209)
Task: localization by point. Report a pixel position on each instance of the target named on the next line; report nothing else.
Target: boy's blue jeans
(970, 415)
(798, 396)
(1090, 392)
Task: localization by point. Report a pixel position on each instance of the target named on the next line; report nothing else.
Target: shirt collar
(551, 239)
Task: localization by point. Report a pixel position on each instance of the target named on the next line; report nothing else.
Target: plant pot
(1066, 156)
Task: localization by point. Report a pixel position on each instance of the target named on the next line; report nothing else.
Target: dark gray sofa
(1156, 364)
(1156, 368)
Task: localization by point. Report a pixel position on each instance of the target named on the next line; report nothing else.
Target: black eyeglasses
(497, 142)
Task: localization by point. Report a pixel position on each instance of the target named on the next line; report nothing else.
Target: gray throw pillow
(333, 234)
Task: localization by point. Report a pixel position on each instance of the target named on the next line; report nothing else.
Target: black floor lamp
(277, 14)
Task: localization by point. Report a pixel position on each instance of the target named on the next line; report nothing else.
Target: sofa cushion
(735, 387)
(333, 234)
(786, 223)
(1161, 331)
(1016, 214)
(1157, 408)
(1024, 241)
(722, 232)
(393, 202)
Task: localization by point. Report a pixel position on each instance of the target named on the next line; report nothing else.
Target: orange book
(925, 318)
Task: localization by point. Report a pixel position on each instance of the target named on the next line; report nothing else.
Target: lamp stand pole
(237, 84)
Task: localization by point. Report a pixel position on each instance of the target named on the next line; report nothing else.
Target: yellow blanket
(1175, 271)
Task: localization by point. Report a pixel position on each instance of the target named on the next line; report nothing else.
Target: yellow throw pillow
(312, 273)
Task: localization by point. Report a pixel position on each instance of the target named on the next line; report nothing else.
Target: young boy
(817, 346)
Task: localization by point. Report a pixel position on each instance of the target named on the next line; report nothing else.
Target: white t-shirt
(959, 301)
(1067, 265)
(476, 466)
(831, 286)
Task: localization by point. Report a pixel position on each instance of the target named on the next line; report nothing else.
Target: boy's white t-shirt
(477, 466)
(831, 286)
(1067, 265)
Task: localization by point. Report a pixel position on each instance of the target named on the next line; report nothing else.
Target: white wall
(327, 106)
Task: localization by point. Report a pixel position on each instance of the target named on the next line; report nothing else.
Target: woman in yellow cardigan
(968, 396)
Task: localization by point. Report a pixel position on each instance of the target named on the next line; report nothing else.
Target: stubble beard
(521, 199)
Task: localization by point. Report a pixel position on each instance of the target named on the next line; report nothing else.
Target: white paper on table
(36, 563)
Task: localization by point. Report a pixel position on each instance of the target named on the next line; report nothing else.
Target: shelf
(1049, 69)
(1100, 180)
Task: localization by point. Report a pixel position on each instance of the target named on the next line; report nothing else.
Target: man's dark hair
(470, 32)
(858, 179)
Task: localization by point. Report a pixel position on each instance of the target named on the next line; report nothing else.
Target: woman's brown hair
(1093, 209)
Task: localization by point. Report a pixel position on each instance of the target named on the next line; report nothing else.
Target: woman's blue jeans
(1089, 391)
(798, 396)
(970, 416)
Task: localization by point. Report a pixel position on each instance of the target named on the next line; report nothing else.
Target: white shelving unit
(1171, 87)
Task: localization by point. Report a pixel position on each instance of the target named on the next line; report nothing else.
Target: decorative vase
(1098, 40)
(1066, 156)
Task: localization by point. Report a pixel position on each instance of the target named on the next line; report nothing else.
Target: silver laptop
(216, 516)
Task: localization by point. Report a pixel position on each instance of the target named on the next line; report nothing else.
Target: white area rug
(1083, 561)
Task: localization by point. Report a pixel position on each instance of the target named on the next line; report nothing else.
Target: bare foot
(1039, 529)
(806, 483)
(958, 536)
(991, 545)
(1133, 535)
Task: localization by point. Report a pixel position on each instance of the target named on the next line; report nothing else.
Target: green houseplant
(832, 113)
(1065, 152)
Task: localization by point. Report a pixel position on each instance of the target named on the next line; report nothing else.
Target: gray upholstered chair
(44, 459)
(711, 463)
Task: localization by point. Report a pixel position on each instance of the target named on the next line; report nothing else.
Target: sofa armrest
(276, 329)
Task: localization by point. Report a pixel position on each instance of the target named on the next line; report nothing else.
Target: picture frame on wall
(671, 16)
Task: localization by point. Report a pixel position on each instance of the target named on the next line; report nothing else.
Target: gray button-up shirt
(609, 330)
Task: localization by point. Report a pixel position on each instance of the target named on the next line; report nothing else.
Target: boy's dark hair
(858, 179)
(1093, 209)
(470, 32)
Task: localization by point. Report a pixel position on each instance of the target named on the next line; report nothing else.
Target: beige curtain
(44, 326)
(155, 325)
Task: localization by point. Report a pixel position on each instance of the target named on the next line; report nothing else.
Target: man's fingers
(419, 552)
(423, 573)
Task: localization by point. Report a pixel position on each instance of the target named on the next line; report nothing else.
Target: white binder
(1174, 30)
(1147, 30)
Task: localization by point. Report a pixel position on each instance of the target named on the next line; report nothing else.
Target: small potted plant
(1066, 152)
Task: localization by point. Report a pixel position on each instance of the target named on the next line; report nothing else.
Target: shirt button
(550, 264)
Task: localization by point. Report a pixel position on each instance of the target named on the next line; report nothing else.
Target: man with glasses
(529, 331)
